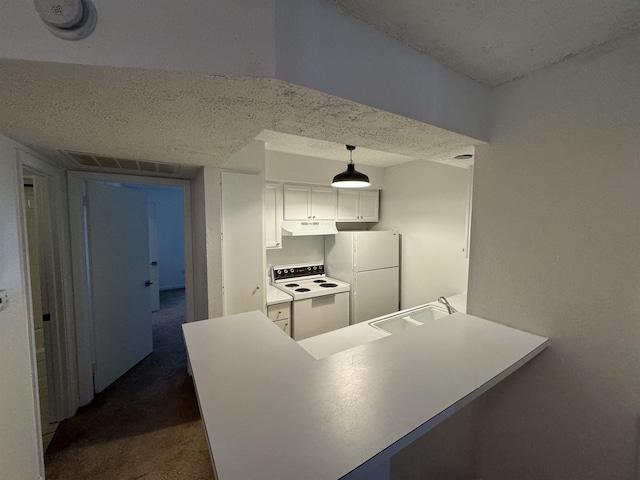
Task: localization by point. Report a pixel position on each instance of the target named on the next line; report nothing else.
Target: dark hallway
(147, 424)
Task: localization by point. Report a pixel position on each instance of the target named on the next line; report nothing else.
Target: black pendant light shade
(351, 178)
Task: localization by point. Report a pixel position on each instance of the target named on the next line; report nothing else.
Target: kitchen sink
(326, 344)
(407, 320)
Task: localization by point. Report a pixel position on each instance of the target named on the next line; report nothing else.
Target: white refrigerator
(370, 262)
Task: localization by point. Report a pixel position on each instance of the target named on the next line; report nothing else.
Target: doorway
(36, 213)
(95, 349)
(45, 238)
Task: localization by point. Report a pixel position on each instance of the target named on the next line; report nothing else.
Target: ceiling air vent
(103, 161)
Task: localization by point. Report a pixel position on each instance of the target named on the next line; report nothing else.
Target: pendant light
(350, 178)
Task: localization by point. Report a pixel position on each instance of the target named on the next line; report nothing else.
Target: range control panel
(287, 273)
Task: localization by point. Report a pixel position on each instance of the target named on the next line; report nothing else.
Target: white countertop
(275, 295)
(336, 341)
(272, 411)
(342, 339)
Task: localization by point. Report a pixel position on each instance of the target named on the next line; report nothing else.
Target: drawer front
(279, 311)
(285, 325)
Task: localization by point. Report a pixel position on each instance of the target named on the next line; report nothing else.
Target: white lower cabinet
(285, 326)
(280, 313)
(322, 314)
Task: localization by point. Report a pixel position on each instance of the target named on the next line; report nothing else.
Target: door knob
(148, 283)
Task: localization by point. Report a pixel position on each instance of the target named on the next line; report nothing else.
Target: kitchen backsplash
(297, 250)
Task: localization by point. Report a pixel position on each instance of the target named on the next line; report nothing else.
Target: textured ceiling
(194, 119)
(282, 142)
(494, 42)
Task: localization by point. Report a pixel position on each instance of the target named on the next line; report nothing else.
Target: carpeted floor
(144, 426)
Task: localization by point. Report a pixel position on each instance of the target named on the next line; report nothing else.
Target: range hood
(308, 227)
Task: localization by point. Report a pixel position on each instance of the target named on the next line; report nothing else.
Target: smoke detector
(68, 19)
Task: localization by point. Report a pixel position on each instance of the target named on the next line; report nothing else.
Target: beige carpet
(146, 425)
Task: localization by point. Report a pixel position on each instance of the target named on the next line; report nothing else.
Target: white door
(375, 250)
(375, 293)
(154, 271)
(118, 243)
(243, 276)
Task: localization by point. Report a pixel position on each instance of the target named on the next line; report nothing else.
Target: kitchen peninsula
(272, 411)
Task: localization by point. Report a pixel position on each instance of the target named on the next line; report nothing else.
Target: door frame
(76, 181)
(53, 222)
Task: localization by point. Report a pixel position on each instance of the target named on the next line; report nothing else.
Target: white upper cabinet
(273, 215)
(368, 205)
(348, 201)
(306, 202)
(358, 205)
(297, 202)
(323, 203)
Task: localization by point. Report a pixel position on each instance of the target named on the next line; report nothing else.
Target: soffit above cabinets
(315, 148)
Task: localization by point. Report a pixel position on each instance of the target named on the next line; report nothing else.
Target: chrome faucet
(450, 308)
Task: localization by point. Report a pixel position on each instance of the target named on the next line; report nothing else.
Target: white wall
(314, 44)
(297, 250)
(220, 36)
(249, 159)
(213, 229)
(288, 167)
(427, 203)
(321, 47)
(555, 252)
(20, 451)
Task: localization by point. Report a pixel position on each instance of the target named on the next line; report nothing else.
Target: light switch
(4, 299)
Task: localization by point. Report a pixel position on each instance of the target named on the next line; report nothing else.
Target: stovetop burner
(306, 281)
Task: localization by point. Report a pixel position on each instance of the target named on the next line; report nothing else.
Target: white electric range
(320, 303)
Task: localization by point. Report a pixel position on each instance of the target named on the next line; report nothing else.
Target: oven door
(313, 316)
